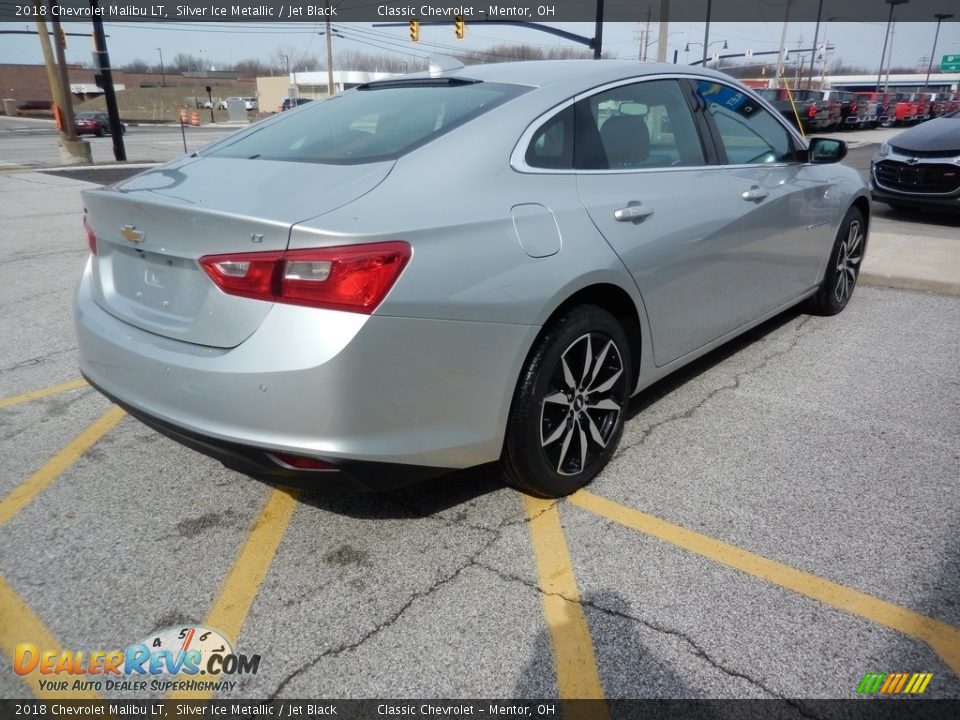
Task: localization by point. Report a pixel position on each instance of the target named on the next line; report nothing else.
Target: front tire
(843, 268)
(568, 409)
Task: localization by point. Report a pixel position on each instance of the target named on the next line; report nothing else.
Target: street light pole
(936, 36)
(163, 74)
(886, 37)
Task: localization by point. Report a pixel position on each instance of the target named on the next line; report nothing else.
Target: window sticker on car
(728, 97)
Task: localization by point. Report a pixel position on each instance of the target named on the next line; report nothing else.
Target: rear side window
(552, 145)
(372, 123)
(630, 127)
(637, 126)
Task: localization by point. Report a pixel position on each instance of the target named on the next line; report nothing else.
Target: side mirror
(823, 151)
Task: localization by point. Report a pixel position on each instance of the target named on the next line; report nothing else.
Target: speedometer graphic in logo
(198, 643)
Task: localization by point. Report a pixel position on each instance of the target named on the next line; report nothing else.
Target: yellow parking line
(20, 496)
(18, 623)
(230, 609)
(944, 639)
(42, 392)
(573, 656)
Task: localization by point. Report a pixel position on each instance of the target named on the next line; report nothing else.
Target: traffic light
(459, 26)
(415, 30)
(62, 38)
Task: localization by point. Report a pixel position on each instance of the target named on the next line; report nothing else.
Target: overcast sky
(855, 43)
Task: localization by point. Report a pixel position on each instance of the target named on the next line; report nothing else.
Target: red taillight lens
(301, 462)
(853, 107)
(355, 278)
(246, 274)
(812, 111)
(91, 238)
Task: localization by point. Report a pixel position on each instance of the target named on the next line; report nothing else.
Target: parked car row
(920, 167)
(818, 110)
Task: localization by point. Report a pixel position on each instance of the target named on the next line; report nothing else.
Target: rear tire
(568, 409)
(843, 267)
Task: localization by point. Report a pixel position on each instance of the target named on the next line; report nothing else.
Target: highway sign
(950, 63)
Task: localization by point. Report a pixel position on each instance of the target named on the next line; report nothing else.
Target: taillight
(853, 107)
(301, 462)
(812, 111)
(355, 278)
(91, 238)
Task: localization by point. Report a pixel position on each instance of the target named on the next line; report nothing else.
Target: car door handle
(754, 193)
(633, 212)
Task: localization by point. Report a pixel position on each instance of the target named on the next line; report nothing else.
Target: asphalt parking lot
(780, 519)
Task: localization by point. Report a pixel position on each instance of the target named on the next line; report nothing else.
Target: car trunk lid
(152, 229)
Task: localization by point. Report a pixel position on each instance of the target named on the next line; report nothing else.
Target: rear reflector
(301, 462)
(355, 278)
(91, 238)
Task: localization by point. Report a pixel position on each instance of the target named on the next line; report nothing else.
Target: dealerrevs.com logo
(174, 659)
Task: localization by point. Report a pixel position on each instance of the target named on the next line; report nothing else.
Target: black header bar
(475, 12)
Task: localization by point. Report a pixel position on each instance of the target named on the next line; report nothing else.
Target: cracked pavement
(827, 444)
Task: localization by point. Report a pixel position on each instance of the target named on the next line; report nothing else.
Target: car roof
(541, 73)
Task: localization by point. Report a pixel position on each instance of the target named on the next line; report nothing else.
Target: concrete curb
(907, 283)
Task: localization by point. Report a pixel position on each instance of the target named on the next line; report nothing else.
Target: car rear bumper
(336, 386)
(343, 476)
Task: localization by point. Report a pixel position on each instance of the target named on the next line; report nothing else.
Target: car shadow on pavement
(660, 389)
(921, 216)
(422, 499)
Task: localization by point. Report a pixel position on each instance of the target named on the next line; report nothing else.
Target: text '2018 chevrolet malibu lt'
(439, 271)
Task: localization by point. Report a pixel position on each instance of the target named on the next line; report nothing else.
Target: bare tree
(251, 67)
(287, 59)
(508, 52)
(185, 62)
(369, 62)
(136, 66)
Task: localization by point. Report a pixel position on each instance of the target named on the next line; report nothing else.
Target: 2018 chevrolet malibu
(471, 265)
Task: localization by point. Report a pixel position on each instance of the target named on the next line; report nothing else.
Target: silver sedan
(464, 266)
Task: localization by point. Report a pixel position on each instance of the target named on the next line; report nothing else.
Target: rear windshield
(379, 121)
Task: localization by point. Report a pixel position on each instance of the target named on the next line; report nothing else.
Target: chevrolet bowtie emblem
(131, 234)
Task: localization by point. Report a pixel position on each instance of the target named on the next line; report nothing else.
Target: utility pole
(330, 88)
(816, 36)
(66, 109)
(646, 34)
(72, 150)
(662, 35)
(783, 44)
(109, 94)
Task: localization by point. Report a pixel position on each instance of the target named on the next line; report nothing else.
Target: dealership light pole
(886, 37)
(936, 36)
(163, 74)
